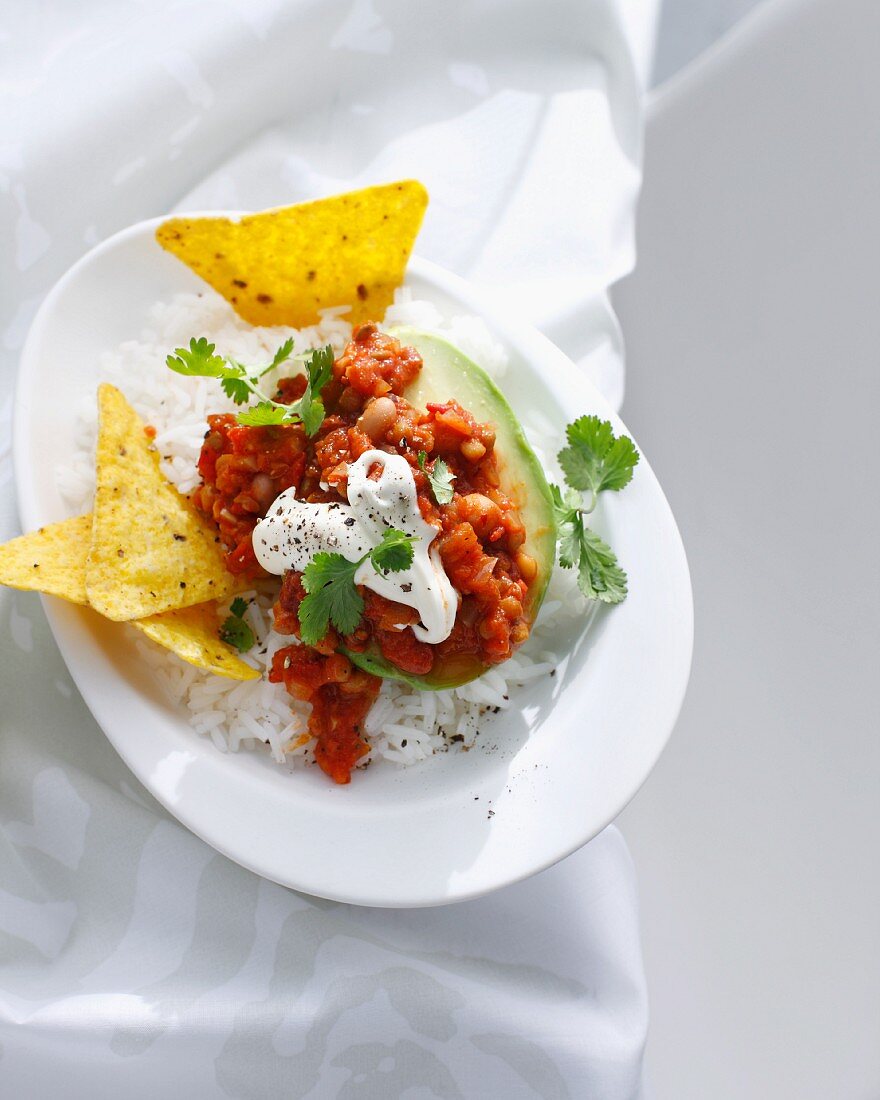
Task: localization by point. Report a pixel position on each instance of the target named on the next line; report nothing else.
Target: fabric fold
(134, 959)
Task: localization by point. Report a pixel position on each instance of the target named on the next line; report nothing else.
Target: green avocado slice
(448, 373)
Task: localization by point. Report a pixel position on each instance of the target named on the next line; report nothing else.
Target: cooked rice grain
(404, 725)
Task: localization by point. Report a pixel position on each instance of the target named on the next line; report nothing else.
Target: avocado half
(447, 373)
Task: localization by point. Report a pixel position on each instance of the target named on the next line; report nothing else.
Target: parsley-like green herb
(240, 382)
(439, 478)
(319, 369)
(199, 359)
(394, 553)
(235, 631)
(594, 461)
(332, 596)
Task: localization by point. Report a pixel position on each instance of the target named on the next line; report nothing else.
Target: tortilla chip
(193, 634)
(282, 266)
(151, 550)
(53, 560)
(50, 560)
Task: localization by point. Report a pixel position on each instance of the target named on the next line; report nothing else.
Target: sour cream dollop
(294, 531)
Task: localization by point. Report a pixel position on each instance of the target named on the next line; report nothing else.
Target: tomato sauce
(340, 694)
(480, 535)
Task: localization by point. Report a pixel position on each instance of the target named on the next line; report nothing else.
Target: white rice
(404, 725)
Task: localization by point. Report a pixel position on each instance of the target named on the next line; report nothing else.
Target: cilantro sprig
(594, 461)
(235, 631)
(439, 478)
(332, 596)
(240, 382)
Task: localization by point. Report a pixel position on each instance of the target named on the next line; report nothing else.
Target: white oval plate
(543, 780)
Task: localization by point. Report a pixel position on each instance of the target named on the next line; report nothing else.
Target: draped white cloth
(134, 960)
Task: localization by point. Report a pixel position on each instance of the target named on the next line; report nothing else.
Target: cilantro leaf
(266, 412)
(281, 355)
(563, 504)
(319, 367)
(311, 413)
(314, 619)
(599, 575)
(621, 459)
(319, 370)
(237, 388)
(588, 438)
(568, 525)
(345, 603)
(569, 532)
(331, 596)
(439, 478)
(239, 382)
(235, 631)
(594, 459)
(198, 359)
(394, 552)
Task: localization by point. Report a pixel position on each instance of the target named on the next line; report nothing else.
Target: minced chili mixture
(481, 538)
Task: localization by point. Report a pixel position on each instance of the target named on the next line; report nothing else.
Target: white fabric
(133, 959)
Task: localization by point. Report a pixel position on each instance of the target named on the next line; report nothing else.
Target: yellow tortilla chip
(282, 266)
(151, 550)
(50, 560)
(53, 560)
(193, 634)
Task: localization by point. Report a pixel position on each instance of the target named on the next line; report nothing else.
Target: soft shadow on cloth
(132, 957)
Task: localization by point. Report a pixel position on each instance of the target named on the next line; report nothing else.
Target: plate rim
(480, 301)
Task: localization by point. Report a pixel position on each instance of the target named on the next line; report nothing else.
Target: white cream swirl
(294, 531)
